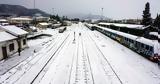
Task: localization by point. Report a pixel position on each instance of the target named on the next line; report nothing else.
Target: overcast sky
(116, 9)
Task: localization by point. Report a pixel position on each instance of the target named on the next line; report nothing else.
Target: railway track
(44, 69)
(88, 60)
(52, 72)
(107, 61)
(23, 67)
(26, 63)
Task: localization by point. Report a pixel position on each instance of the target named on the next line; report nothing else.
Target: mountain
(86, 16)
(19, 10)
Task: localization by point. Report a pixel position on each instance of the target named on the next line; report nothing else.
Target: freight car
(148, 48)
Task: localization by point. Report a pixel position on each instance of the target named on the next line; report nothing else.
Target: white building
(3, 22)
(19, 21)
(8, 44)
(18, 43)
(43, 25)
(42, 19)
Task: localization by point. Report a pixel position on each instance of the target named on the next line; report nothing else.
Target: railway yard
(81, 56)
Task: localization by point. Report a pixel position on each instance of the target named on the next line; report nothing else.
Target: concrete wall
(15, 48)
(6, 44)
(1, 54)
(23, 46)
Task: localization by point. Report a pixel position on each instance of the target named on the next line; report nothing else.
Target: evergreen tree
(155, 24)
(57, 18)
(147, 20)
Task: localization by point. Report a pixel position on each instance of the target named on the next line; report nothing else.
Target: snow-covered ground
(91, 58)
(34, 45)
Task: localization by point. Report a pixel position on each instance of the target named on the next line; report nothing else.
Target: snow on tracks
(26, 71)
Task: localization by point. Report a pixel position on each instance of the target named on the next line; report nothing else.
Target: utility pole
(34, 3)
(101, 13)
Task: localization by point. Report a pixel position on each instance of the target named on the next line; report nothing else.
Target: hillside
(19, 10)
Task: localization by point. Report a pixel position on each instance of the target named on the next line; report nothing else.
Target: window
(11, 47)
(24, 41)
(147, 47)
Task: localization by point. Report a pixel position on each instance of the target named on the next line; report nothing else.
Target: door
(4, 51)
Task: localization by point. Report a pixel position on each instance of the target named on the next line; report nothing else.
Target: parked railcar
(89, 26)
(141, 45)
(61, 30)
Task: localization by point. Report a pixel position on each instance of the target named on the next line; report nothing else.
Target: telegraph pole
(34, 4)
(102, 13)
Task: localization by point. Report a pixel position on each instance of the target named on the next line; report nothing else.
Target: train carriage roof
(133, 26)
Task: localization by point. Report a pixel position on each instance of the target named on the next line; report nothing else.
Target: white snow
(124, 25)
(91, 59)
(130, 67)
(154, 33)
(3, 20)
(22, 18)
(44, 24)
(14, 30)
(4, 36)
(34, 45)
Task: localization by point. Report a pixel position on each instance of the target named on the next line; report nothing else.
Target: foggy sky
(116, 9)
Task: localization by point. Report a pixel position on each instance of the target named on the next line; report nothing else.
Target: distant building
(16, 37)
(41, 19)
(56, 25)
(3, 22)
(131, 21)
(66, 23)
(43, 25)
(20, 21)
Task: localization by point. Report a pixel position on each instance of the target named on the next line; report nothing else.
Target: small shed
(19, 33)
(8, 44)
(43, 25)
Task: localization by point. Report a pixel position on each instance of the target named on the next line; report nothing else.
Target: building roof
(4, 36)
(21, 18)
(124, 25)
(154, 33)
(3, 20)
(14, 30)
(44, 24)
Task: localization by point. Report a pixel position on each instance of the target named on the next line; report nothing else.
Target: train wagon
(61, 30)
(148, 48)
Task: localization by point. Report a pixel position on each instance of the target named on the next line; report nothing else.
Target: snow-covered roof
(33, 27)
(4, 36)
(3, 20)
(154, 33)
(44, 24)
(124, 25)
(56, 24)
(41, 17)
(21, 18)
(133, 37)
(14, 30)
